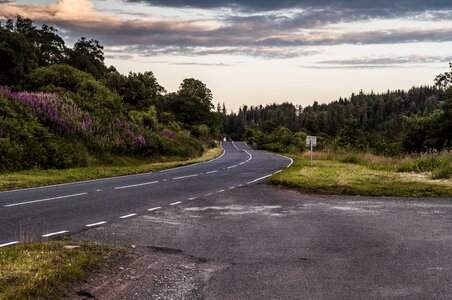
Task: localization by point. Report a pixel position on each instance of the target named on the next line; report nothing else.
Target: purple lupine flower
(169, 134)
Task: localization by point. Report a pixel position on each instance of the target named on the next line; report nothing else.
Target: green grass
(358, 176)
(122, 166)
(45, 270)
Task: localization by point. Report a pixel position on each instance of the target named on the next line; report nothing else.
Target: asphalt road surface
(262, 242)
(34, 214)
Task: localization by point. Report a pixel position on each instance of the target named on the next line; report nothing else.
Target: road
(264, 242)
(34, 214)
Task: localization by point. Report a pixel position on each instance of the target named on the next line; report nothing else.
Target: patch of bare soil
(148, 272)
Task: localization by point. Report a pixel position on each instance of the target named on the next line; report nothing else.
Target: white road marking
(134, 185)
(240, 185)
(220, 191)
(44, 200)
(260, 178)
(203, 162)
(212, 172)
(98, 190)
(209, 194)
(96, 224)
(233, 166)
(231, 188)
(9, 244)
(234, 145)
(192, 198)
(128, 216)
(154, 208)
(247, 145)
(291, 161)
(277, 172)
(188, 176)
(176, 203)
(54, 233)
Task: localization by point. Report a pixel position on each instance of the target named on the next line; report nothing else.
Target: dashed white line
(54, 233)
(214, 171)
(209, 194)
(154, 208)
(44, 200)
(134, 185)
(220, 191)
(192, 198)
(233, 166)
(175, 203)
(9, 244)
(128, 216)
(188, 176)
(234, 145)
(231, 188)
(96, 224)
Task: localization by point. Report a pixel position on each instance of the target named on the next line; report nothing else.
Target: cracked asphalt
(264, 242)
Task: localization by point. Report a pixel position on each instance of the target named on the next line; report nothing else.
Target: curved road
(37, 213)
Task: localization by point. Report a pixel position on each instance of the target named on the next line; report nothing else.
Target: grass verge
(122, 166)
(46, 270)
(352, 177)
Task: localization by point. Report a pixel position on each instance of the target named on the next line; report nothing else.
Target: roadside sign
(311, 140)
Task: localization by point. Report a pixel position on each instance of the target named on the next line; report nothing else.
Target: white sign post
(311, 141)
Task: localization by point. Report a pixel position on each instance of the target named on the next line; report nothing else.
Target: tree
(88, 56)
(193, 103)
(17, 57)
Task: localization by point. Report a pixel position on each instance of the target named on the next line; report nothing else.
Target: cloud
(389, 6)
(279, 34)
(381, 62)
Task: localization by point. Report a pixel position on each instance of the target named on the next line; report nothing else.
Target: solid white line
(134, 185)
(212, 172)
(220, 191)
(260, 178)
(9, 244)
(291, 161)
(277, 172)
(251, 156)
(96, 224)
(248, 146)
(128, 216)
(203, 162)
(54, 233)
(176, 203)
(188, 176)
(234, 145)
(192, 198)
(233, 166)
(231, 188)
(43, 200)
(154, 208)
(108, 178)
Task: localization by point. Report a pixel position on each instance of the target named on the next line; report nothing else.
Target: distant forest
(391, 123)
(62, 107)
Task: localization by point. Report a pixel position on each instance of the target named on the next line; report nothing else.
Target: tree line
(390, 123)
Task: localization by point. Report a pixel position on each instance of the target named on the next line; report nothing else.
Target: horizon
(253, 53)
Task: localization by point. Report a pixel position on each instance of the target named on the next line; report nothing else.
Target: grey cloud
(271, 5)
(381, 61)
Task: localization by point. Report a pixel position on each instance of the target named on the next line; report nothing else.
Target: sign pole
(311, 152)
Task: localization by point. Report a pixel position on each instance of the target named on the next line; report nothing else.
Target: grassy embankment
(121, 166)
(369, 175)
(46, 270)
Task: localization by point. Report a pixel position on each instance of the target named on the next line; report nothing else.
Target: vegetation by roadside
(45, 270)
(121, 166)
(368, 175)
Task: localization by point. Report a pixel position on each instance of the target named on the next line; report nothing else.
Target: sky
(262, 51)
